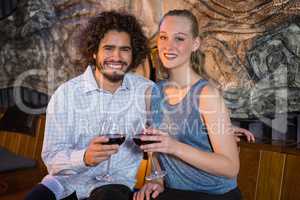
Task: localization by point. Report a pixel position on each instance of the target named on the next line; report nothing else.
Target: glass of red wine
(156, 172)
(112, 131)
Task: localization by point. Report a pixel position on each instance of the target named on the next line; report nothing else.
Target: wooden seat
(143, 171)
(28, 147)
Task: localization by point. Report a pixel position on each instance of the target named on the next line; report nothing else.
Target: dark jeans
(106, 192)
(175, 194)
(111, 192)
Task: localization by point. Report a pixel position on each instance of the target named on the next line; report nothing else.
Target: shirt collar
(90, 83)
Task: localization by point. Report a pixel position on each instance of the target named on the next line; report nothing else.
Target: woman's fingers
(154, 131)
(155, 194)
(156, 138)
(149, 190)
(138, 195)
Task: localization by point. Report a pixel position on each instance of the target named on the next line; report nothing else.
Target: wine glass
(112, 131)
(156, 173)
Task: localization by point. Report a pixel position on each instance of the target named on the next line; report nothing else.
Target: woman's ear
(196, 44)
(94, 56)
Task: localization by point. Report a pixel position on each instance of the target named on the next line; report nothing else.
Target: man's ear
(196, 43)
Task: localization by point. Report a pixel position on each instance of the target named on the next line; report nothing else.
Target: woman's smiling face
(175, 42)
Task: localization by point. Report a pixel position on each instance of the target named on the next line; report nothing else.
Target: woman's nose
(169, 44)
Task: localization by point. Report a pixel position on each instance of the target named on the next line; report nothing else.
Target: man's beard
(116, 76)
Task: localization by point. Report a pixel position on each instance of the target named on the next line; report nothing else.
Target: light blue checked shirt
(75, 115)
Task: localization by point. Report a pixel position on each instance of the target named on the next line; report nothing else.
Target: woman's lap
(175, 194)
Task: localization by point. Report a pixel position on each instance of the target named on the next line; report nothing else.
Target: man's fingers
(100, 147)
(109, 147)
(105, 153)
(100, 140)
(238, 134)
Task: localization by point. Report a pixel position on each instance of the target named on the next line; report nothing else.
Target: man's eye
(126, 49)
(179, 39)
(108, 48)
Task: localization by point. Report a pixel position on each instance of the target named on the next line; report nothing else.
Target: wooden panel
(28, 146)
(270, 177)
(291, 184)
(247, 179)
(16, 196)
(20, 179)
(25, 145)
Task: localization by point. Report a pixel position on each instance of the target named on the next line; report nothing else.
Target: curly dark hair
(106, 21)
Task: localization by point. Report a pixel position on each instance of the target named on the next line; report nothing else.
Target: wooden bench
(25, 146)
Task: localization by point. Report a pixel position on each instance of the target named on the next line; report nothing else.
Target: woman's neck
(183, 76)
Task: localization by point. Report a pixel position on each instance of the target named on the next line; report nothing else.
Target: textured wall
(251, 47)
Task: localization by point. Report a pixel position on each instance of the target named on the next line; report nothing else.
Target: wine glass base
(105, 178)
(156, 175)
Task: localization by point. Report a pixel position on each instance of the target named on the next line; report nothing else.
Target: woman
(195, 139)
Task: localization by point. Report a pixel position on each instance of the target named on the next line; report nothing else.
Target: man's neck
(106, 84)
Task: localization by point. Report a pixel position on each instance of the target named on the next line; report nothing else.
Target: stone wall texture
(251, 47)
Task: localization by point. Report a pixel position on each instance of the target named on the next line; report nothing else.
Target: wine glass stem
(153, 163)
(108, 166)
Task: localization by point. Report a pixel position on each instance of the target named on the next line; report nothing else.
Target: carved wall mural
(251, 47)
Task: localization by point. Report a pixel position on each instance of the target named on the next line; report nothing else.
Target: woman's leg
(191, 195)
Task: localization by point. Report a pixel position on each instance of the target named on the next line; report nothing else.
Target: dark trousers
(175, 194)
(106, 192)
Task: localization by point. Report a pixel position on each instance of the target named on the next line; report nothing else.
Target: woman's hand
(163, 142)
(149, 189)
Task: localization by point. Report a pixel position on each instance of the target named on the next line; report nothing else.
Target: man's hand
(241, 132)
(149, 189)
(97, 152)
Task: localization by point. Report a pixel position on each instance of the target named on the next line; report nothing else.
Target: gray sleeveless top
(182, 121)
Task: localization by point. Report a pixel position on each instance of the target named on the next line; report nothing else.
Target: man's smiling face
(114, 55)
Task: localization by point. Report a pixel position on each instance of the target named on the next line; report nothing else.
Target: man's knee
(40, 192)
(111, 192)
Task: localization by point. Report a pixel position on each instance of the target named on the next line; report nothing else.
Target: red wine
(137, 140)
(115, 139)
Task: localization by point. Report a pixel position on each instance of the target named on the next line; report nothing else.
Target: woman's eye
(162, 37)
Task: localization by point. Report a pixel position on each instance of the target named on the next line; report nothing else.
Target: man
(74, 150)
